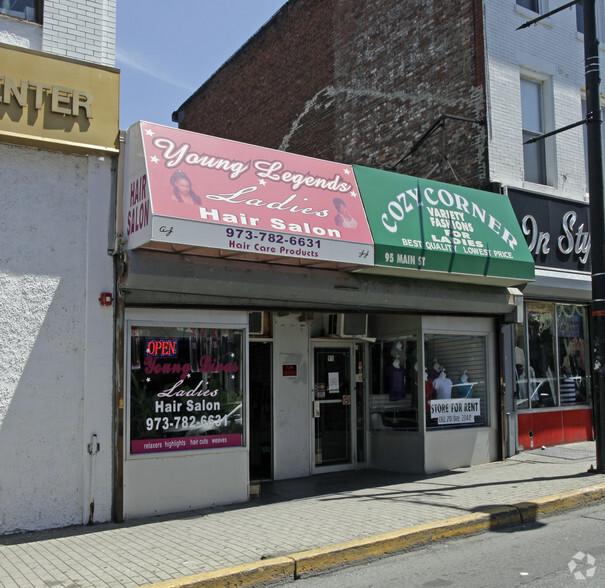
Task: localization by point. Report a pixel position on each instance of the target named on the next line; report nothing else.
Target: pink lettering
(207, 364)
(153, 367)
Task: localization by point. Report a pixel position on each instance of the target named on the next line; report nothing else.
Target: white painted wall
(178, 482)
(554, 51)
(397, 451)
(55, 339)
(291, 399)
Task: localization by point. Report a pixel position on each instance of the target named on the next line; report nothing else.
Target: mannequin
(396, 379)
(443, 386)
(397, 350)
(463, 388)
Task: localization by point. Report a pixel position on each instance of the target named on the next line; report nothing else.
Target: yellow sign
(57, 103)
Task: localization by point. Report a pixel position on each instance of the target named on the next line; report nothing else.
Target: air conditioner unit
(256, 322)
(348, 325)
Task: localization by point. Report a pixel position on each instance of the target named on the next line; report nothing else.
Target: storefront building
(283, 316)
(551, 381)
(58, 152)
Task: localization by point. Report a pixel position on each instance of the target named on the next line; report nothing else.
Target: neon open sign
(162, 347)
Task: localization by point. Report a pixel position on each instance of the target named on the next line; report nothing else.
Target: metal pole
(597, 221)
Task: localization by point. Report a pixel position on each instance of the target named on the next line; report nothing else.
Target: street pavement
(294, 516)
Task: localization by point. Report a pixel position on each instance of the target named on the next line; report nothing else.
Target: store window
(532, 116)
(551, 356)
(186, 389)
(394, 385)
(455, 381)
(27, 9)
(573, 361)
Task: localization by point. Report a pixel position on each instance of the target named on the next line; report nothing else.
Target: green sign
(435, 227)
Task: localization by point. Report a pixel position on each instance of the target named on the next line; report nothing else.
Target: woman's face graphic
(183, 186)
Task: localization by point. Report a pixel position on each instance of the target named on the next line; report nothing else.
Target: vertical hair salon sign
(557, 231)
(137, 206)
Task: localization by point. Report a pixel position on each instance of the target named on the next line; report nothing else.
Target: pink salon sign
(192, 189)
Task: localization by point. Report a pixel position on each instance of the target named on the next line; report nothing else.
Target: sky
(165, 55)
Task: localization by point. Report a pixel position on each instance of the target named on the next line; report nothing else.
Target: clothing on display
(435, 370)
(428, 392)
(568, 390)
(396, 379)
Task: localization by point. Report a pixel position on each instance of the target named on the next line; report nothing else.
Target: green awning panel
(422, 226)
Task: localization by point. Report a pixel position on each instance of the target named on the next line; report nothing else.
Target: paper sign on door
(333, 383)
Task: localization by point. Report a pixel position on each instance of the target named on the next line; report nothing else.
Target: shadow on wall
(43, 323)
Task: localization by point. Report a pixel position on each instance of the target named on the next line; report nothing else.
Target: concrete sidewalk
(321, 520)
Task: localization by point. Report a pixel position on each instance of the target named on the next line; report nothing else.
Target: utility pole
(594, 135)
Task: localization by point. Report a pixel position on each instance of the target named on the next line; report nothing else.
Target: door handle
(316, 409)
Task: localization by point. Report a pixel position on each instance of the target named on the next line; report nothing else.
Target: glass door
(333, 406)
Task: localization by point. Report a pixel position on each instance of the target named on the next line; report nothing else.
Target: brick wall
(357, 81)
(259, 95)
(400, 65)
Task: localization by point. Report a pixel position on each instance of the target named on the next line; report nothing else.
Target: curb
(295, 565)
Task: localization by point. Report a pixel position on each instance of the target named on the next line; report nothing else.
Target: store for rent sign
(185, 390)
(455, 411)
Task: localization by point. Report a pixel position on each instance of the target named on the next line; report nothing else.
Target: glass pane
(260, 410)
(360, 402)
(571, 329)
(521, 383)
(531, 106)
(394, 385)
(19, 8)
(186, 389)
(333, 397)
(534, 160)
(332, 434)
(579, 18)
(541, 343)
(530, 4)
(456, 381)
